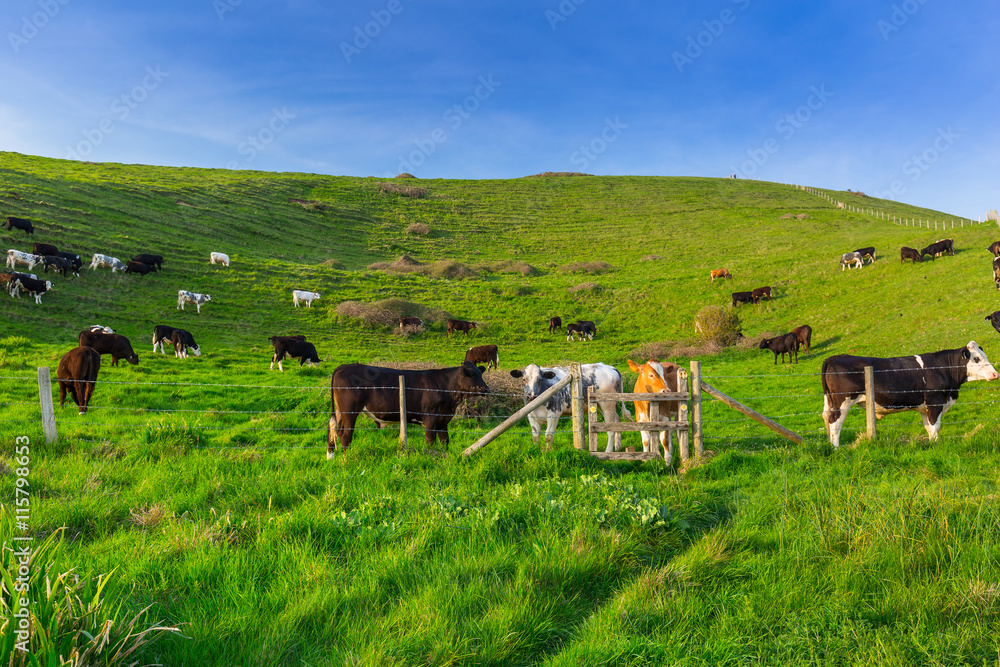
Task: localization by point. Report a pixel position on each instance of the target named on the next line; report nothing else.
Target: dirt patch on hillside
(590, 268)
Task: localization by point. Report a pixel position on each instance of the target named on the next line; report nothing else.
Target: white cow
(15, 257)
(606, 379)
(113, 263)
(302, 295)
(851, 258)
(183, 296)
(219, 258)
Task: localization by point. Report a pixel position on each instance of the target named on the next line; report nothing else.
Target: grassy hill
(203, 480)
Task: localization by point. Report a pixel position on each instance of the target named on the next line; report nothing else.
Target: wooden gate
(680, 427)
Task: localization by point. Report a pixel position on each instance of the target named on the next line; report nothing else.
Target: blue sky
(896, 99)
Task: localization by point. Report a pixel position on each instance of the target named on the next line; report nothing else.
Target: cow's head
(470, 379)
(196, 351)
(653, 377)
(978, 367)
(536, 380)
(994, 319)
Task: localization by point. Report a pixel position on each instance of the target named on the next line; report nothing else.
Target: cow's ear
(548, 375)
(482, 369)
(516, 374)
(965, 353)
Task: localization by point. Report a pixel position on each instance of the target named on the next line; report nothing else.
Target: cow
(536, 379)
(742, 297)
(928, 383)
(555, 324)
(460, 325)
(77, 374)
(150, 259)
(851, 258)
(98, 328)
(74, 260)
(995, 248)
(996, 272)
(719, 273)
(183, 344)
(295, 347)
(868, 252)
(303, 295)
(657, 377)
(431, 398)
(13, 286)
(484, 354)
(787, 343)
(15, 257)
(42, 249)
(910, 254)
(937, 248)
(20, 223)
(761, 293)
(804, 333)
(994, 319)
(161, 333)
(949, 246)
(113, 263)
(36, 287)
(116, 345)
(139, 267)
(218, 258)
(7, 280)
(588, 328)
(183, 296)
(410, 322)
(56, 263)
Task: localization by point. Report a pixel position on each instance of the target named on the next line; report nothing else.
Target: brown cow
(909, 253)
(555, 324)
(460, 325)
(804, 333)
(77, 373)
(410, 322)
(658, 377)
(995, 248)
(116, 345)
(720, 273)
(484, 354)
(760, 293)
(785, 344)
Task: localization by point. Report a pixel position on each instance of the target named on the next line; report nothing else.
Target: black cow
(995, 248)
(77, 374)
(74, 260)
(139, 267)
(116, 345)
(928, 383)
(996, 271)
(44, 249)
(555, 324)
(588, 328)
(761, 293)
(868, 252)
(183, 344)
(911, 254)
(787, 343)
(150, 259)
(742, 297)
(161, 333)
(295, 347)
(20, 223)
(431, 398)
(484, 354)
(804, 333)
(56, 263)
(994, 319)
(938, 248)
(460, 325)
(410, 322)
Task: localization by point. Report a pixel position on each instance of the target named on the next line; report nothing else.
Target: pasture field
(202, 483)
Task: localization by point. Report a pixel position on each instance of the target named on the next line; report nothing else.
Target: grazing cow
(183, 344)
(995, 248)
(910, 253)
(928, 383)
(150, 259)
(849, 258)
(606, 379)
(183, 296)
(161, 333)
(742, 297)
(410, 322)
(20, 223)
(116, 345)
(139, 267)
(719, 273)
(484, 354)
(949, 246)
(15, 257)
(42, 249)
(996, 272)
(588, 328)
(868, 252)
(56, 263)
(460, 325)
(77, 374)
(937, 248)
(74, 260)
(761, 293)
(36, 287)
(994, 319)
(555, 324)
(113, 263)
(804, 333)
(98, 328)
(218, 258)
(657, 377)
(303, 295)
(787, 343)
(295, 347)
(431, 398)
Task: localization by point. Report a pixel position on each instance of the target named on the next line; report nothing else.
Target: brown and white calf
(657, 377)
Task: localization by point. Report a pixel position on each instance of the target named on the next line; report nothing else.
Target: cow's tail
(331, 427)
(626, 414)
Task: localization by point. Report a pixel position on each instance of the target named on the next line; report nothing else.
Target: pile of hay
(440, 269)
(589, 288)
(386, 313)
(418, 228)
(590, 268)
(403, 190)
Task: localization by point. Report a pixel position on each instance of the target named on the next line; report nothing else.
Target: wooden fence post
(682, 437)
(516, 417)
(699, 443)
(576, 403)
(870, 401)
(402, 411)
(591, 409)
(48, 412)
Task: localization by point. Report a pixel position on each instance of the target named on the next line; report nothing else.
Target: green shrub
(719, 325)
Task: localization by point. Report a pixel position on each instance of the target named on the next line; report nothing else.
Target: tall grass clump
(719, 325)
(386, 312)
(403, 190)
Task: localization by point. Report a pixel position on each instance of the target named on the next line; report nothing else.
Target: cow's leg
(62, 392)
(536, 427)
(552, 420)
(837, 415)
(932, 418)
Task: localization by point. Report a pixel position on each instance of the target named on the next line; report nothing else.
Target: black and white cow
(20, 223)
(57, 264)
(996, 272)
(536, 379)
(294, 347)
(100, 328)
(183, 296)
(36, 287)
(184, 344)
(928, 383)
(13, 286)
(113, 263)
(15, 257)
(161, 334)
(994, 319)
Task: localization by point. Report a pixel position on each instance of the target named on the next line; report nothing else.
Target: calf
(44, 249)
(868, 252)
(74, 260)
(13, 286)
(994, 319)
(658, 378)
(460, 325)
(588, 328)
(218, 258)
(995, 248)
(303, 295)
(742, 297)
(150, 259)
(804, 334)
(937, 248)
(56, 263)
(139, 267)
(484, 354)
(949, 246)
(580, 329)
(719, 273)
(77, 374)
(183, 296)
(555, 324)
(996, 272)
(851, 258)
(36, 287)
(116, 345)
(20, 223)
(113, 263)
(161, 333)
(15, 257)
(910, 253)
(410, 322)
(295, 347)
(183, 344)
(761, 293)
(787, 343)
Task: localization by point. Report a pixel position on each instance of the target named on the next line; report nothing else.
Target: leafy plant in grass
(71, 620)
(719, 325)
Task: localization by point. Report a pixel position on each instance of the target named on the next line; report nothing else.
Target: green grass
(204, 481)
